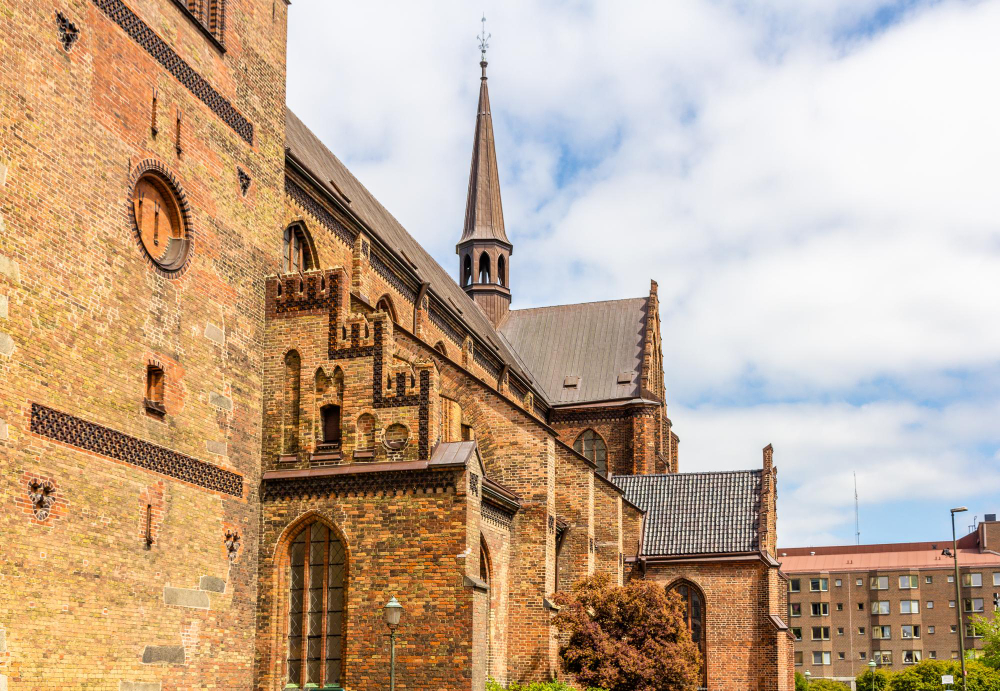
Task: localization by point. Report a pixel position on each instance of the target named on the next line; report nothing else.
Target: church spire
(484, 250)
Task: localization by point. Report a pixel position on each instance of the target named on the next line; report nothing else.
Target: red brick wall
(85, 313)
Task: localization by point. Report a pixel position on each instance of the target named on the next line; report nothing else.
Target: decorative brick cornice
(380, 484)
(89, 436)
(499, 517)
(141, 33)
(443, 323)
(319, 212)
(486, 362)
(392, 277)
(601, 414)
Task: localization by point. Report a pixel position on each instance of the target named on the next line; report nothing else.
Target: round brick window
(396, 436)
(159, 215)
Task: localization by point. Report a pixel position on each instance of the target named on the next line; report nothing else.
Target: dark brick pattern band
(382, 267)
(141, 33)
(95, 438)
(319, 212)
(497, 516)
(386, 483)
(442, 322)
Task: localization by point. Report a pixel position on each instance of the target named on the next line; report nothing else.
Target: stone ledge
(212, 584)
(170, 654)
(186, 597)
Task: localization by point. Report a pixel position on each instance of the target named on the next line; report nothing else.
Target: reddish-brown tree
(626, 638)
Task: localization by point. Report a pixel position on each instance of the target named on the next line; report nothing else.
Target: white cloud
(819, 206)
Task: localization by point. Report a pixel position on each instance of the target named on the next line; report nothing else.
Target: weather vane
(483, 38)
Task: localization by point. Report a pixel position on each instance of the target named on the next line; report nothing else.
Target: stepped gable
(595, 341)
(697, 513)
(307, 149)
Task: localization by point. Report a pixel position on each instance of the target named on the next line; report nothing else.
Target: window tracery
(590, 445)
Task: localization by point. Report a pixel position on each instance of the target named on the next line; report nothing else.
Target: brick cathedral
(241, 407)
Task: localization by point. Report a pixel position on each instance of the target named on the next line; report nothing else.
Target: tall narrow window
(590, 445)
(154, 391)
(317, 565)
(293, 367)
(384, 304)
(297, 251)
(694, 618)
(484, 268)
(502, 271)
(330, 415)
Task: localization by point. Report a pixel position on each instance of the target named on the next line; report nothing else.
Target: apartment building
(896, 604)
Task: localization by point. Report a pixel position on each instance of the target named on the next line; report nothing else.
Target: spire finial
(483, 41)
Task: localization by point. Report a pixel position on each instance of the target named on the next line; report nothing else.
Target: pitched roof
(697, 513)
(849, 560)
(595, 341)
(307, 148)
(483, 210)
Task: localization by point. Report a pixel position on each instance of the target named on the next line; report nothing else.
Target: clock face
(159, 222)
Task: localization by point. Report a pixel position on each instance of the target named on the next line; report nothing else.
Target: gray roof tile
(697, 513)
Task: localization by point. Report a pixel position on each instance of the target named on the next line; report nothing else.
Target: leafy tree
(826, 685)
(626, 638)
(926, 676)
(874, 681)
(800, 682)
(989, 629)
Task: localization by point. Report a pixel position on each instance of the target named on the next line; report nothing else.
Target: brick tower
(484, 250)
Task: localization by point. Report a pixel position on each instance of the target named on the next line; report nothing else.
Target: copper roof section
(596, 342)
(483, 210)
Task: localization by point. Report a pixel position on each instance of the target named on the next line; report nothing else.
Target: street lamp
(871, 667)
(958, 594)
(807, 675)
(390, 615)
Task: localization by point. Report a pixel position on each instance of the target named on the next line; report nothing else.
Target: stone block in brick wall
(214, 333)
(3, 175)
(3, 307)
(3, 435)
(186, 597)
(220, 401)
(212, 584)
(138, 686)
(219, 448)
(3, 641)
(170, 654)
(6, 344)
(9, 267)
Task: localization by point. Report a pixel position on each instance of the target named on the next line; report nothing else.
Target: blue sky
(813, 184)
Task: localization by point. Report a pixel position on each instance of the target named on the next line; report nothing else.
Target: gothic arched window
(484, 268)
(384, 304)
(467, 270)
(293, 390)
(694, 618)
(441, 348)
(590, 445)
(317, 563)
(210, 14)
(502, 271)
(330, 416)
(298, 254)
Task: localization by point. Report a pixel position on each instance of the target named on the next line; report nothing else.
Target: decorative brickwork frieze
(88, 436)
(487, 362)
(382, 484)
(392, 276)
(497, 516)
(68, 33)
(443, 323)
(41, 494)
(601, 414)
(141, 33)
(319, 212)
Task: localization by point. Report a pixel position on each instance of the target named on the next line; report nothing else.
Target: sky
(814, 185)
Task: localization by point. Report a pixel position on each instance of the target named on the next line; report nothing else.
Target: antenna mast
(857, 520)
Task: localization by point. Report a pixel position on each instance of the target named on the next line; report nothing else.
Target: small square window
(862, 655)
(840, 606)
(798, 658)
(861, 630)
(840, 630)
(951, 579)
(840, 656)
(860, 582)
(794, 585)
(930, 604)
(954, 628)
(928, 579)
(930, 629)
(839, 582)
(931, 654)
(153, 400)
(861, 606)
(951, 603)
(996, 578)
(795, 609)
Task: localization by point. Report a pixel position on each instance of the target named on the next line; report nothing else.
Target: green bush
(826, 685)
(800, 682)
(926, 676)
(537, 686)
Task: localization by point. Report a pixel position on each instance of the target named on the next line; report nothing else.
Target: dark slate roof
(595, 341)
(697, 513)
(307, 148)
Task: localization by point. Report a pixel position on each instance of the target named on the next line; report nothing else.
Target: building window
(930, 604)
(911, 657)
(909, 606)
(928, 579)
(951, 579)
(330, 416)
(932, 655)
(293, 387)
(794, 585)
(996, 578)
(882, 632)
(467, 270)
(861, 630)
(821, 633)
(798, 658)
(838, 582)
(819, 585)
(840, 606)
(908, 631)
(821, 609)
(384, 304)
(298, 254)
(879, 582)
(930, 629)
(954, 654)
(972, 580)
(210, 14)
(840, 630)
(317, 565)
(795, 609)
(859, 582)
(907, 582)
(501, 271)
(484, 268)
(882, 657)
(840, 656)
(441, 348)
(154, 392)
(862, 655)
(861, 607)
(590, 445)
(821, 657)
(951, 604)
(880, 607)
(973, 604)
(797, 632)
(954, 628)
(694, 617)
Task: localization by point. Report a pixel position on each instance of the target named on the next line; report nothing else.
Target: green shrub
(827, 685)
(926, 676)
(537, 686)
(800, 682)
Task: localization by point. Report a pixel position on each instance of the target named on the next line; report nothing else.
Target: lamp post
(807, 675)
(958, 595)
(391, 614)
(871, 667)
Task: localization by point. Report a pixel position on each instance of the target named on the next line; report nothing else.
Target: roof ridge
(577, 304)
(700, 472)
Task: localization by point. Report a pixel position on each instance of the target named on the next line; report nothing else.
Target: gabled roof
(306, 148)
(697, 513)
(598, 342)
(483, 210)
